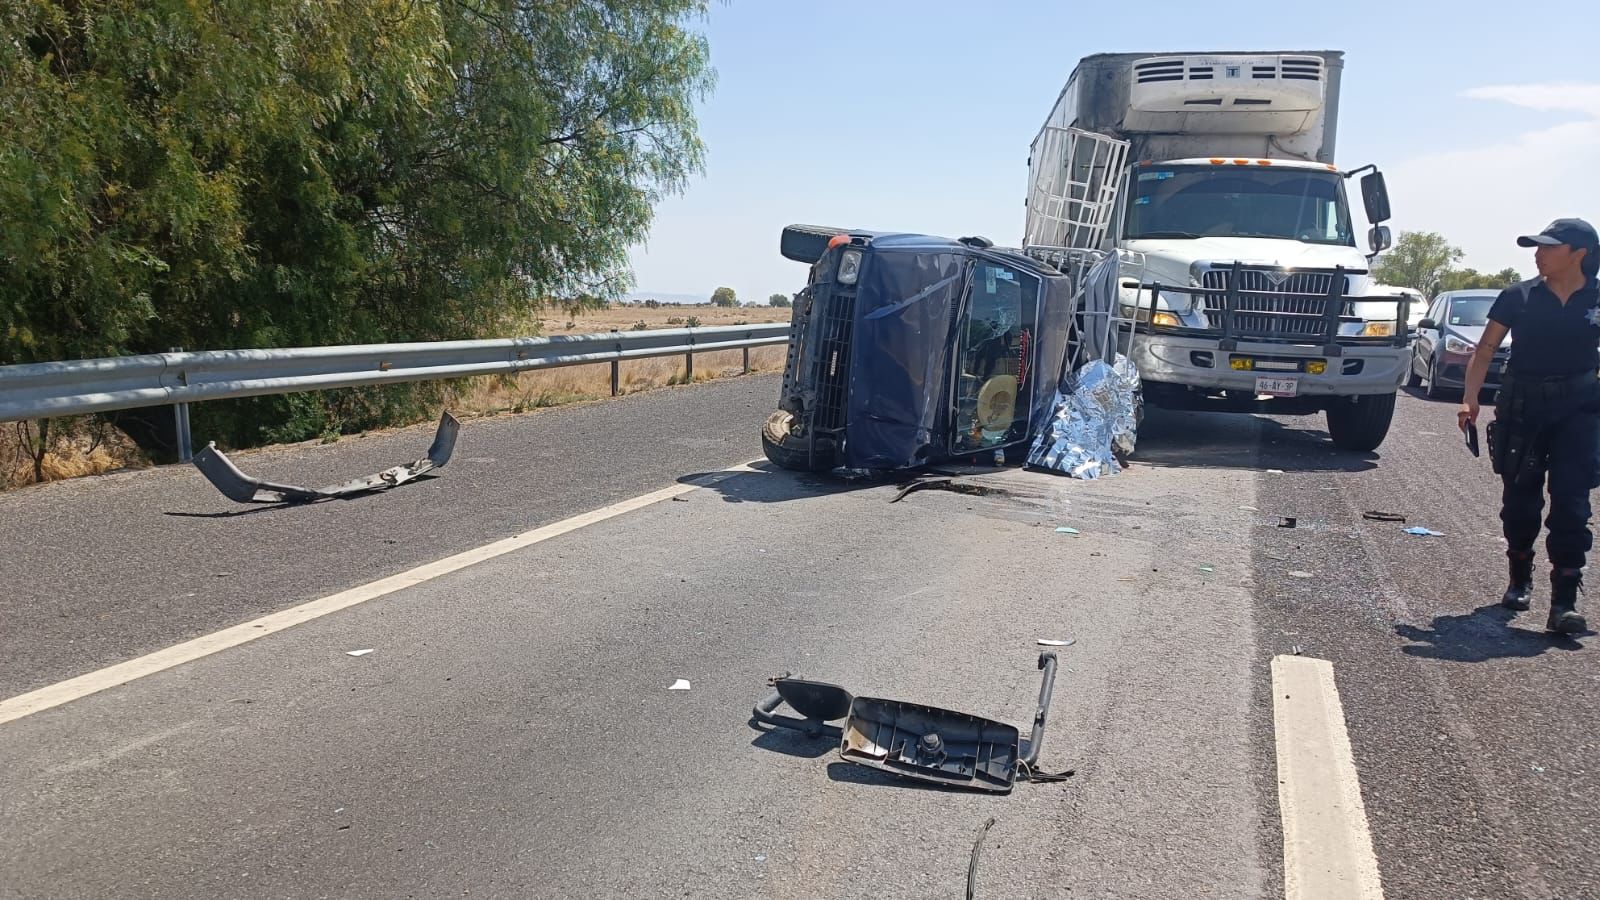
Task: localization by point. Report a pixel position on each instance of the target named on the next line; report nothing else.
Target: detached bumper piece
(920, 742)
(239, 487)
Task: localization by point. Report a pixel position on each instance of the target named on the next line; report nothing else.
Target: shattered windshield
(1207, 201)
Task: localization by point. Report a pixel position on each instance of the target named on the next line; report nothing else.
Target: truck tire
(807, 243)
(794, 459)
(1361, 426)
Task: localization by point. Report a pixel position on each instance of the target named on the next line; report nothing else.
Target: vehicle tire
(795, 457)
(1434, 391)
(1361, 426)
(1413, 380)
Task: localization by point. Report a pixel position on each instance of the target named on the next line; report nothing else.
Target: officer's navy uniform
(1547, 424)
(1550, 401)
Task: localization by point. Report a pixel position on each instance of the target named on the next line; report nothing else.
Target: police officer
(1547, 412)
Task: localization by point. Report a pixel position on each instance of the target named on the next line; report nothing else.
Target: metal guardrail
(76, 387)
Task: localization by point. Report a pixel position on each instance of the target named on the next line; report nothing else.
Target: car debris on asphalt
(912, 740)
(242, 488)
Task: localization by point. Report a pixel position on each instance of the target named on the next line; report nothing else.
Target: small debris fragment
(1067, 529)
(1419, 531)
(1207, 569)
(1539, 769)
(682, 684)
(1301, 575)
(1274, 471)
(358, 652)
(1378, 516)
(680, 499)
(1047, 642)
(761, 858)
(1249, 509)
(972, 867)
(1288, 522)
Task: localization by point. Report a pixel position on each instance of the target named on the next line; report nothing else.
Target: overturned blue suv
(908, 350)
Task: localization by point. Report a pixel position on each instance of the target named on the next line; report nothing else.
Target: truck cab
(1241, 267)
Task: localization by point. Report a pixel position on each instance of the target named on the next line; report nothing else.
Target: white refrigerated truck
(1239, 262)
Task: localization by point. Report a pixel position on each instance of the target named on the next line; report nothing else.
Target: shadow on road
(850, 773)
(793, 743)
(1485, 633)
(766, 483)
(1170, 439)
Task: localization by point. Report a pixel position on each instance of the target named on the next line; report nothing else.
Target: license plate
(1278, 387)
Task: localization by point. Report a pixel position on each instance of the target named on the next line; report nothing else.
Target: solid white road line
(1327, 847)
(93, 682)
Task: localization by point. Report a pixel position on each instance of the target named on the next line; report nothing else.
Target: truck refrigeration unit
(1239, 262)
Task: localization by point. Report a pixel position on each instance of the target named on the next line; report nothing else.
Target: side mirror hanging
(1379, 239)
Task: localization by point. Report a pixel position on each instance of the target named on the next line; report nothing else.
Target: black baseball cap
(1575, 233)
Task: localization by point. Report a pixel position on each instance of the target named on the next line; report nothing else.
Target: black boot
(1520, 589)
(1564, 587)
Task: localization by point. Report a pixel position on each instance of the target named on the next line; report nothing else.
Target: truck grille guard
(1305, 307)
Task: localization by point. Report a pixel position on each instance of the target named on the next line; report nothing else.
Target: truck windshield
(1205, 201)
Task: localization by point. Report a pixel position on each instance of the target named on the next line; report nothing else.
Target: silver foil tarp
(1096, 419)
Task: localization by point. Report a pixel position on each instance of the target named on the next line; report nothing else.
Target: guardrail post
(688, 362)
(747, 360)
(180, 418)
(616, 377)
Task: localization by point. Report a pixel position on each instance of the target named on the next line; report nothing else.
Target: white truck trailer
(1239, 262)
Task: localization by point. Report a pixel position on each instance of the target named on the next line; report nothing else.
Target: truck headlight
(849, 267)
(1379, 329)
(1453, 344)
(1167, 320)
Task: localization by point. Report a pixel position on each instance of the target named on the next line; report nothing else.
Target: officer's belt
(1547, 387)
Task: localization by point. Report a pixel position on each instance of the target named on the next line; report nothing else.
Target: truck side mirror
(1427, 325)
(1378, 238)
(1375, 196)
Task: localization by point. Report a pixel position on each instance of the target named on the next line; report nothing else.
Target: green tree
(259, 173)
(1419, 259)
(1471, 279)
(724, 296)
(780, 300)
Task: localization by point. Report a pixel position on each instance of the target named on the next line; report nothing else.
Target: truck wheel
(1362, 425)
(794, 458)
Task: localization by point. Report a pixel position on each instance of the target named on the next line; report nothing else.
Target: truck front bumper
(1199, 363)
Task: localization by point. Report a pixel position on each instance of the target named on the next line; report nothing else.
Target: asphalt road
(512, 732)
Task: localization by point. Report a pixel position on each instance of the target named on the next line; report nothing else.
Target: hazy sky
(917, 116)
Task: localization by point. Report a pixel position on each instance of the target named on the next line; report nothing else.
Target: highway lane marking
(1327, 845)
(113, 676)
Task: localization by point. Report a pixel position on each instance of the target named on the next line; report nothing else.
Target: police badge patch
(1594, 316)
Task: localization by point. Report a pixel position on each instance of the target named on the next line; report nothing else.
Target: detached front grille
(834, 324)
(1275, 303)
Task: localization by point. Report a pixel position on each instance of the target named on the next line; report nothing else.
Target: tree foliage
(780, 300)
(1469, 279)
(724, 296)
(1419, 259)
(260, 173)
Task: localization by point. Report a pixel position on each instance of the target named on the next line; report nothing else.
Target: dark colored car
(1446, 339)
(909, 349)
